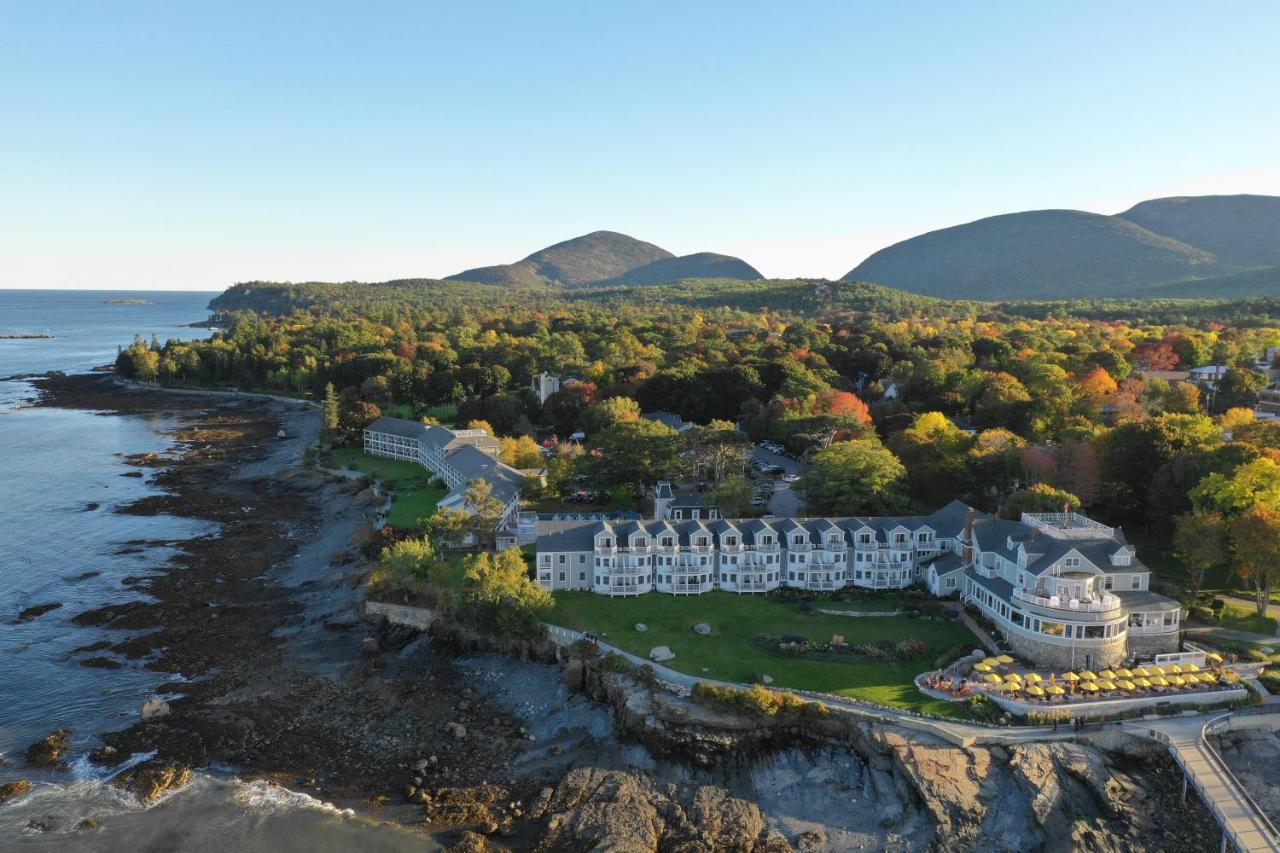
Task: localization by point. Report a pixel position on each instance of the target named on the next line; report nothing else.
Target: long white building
(455, 456)
(1062, 589)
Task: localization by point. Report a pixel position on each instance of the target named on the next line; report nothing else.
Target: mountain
(1239, 229)
(592, 257)
(607, 257)
(1040, 254)
(1264, 281)
(697, 265)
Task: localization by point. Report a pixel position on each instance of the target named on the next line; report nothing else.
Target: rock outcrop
(151, 780)
(47, 751)
(16, 788)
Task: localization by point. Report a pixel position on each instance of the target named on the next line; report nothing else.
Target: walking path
(1231, 634)
(1243, 822)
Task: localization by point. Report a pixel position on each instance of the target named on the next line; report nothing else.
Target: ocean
(61, 474)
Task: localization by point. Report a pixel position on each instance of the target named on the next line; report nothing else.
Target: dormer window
(766, 540)
(668, 541)
(797, 539)
(700, 541)
(731, 540)
(1122, 558)
(864, 538)
(900, 538)
(641, 541)
(1071, 562)
(606, 543)
(923, 537)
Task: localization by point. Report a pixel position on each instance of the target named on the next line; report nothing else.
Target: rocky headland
(284, 680)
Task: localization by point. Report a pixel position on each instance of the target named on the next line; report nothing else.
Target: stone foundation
(1096, 655)
(1147, 645)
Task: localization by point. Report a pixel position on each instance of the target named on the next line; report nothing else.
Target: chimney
(966, 552)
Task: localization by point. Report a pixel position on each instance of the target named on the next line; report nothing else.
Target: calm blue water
(87, 330)
(55, 463)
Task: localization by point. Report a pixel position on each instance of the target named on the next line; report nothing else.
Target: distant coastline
(42, 336)
(126, 300)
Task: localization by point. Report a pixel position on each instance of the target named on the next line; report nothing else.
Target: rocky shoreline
(282, 680)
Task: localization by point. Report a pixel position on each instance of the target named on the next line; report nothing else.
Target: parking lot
(784, 503)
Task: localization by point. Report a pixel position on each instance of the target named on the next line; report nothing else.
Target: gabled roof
(568, 535)
(398, 426)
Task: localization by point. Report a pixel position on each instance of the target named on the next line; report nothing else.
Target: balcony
(600, 549)
(701, 549)
(823, 584)
(626, 589)
(686, 588)
(1094, 610)
(639, 549)
(732, 549)
(865, 546)
(667, 549)
(837, 547)
(800, 547)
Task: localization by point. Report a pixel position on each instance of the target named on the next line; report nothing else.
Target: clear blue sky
(182, 145)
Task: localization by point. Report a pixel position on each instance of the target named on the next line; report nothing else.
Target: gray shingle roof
(398, 426)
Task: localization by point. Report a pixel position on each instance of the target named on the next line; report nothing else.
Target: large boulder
(154, 709)
(151, 780)
(641, 627)
(16, 788)
(702, 629)
(661, 653)
(47, 751)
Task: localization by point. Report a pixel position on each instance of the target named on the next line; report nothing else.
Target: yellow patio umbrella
(993, 678)
(1105, 684)
(1089, 686)
(1190, 667)
(1087, 675)
(1173, 669)
(1054, 690)
(1154, 670)
(1142, 682)
(1107, 673)
(1033, 676)
(1004, 659)
(1126, 685)
(1034, 690)
(1070, 676)
(982, 667)
(1013, 676)
(1124, 673)
(1177, 680)
(1214, 656)
(1159, 681)
(1206, 678)
(1140, 671)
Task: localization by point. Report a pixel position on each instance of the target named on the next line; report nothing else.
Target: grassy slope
(732, 654)
(414, 496)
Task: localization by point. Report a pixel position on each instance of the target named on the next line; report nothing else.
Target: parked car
(790, 478)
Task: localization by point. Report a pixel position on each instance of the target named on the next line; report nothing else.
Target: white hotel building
(455, 456)
(1062, 589)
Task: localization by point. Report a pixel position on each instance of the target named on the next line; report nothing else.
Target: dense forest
(896, 400)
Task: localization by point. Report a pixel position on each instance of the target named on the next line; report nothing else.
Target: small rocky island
(24, 337)
(126, 300)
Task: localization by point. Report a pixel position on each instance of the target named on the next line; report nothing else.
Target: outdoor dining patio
(1004, 675)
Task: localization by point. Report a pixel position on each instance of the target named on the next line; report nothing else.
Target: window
(582, 576)
(731, 540)
(1108, 582)
(1071, 562)
(562, 577)
(561, 561)
(900, 538)
(1135, 582)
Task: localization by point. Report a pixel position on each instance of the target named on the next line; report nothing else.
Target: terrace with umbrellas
(1002, 675)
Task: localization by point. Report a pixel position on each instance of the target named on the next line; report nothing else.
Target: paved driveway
(785, 503)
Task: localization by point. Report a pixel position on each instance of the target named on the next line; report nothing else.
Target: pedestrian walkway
(1244, 824)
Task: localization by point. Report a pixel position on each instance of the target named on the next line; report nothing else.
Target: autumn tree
(499, 597)
(603, 414)
(1255, 549)
(1039, 498)
(1200, 541)
(854, 478)
(635, 455)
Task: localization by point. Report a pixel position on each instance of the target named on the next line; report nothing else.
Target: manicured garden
(733, 652)
(414, 496)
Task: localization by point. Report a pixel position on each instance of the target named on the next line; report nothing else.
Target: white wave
(268, 798)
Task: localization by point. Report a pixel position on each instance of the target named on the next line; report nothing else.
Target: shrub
(613, 662)
(584, 648)
(756, 701)
(1200, 612)
(910, 649)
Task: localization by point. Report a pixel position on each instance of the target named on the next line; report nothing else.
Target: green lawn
(414, 496)
(731, 653)
(445, 413)
(1239, 618)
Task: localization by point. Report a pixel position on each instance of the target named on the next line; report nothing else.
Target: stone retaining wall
(419, 618)
(1111, 707)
